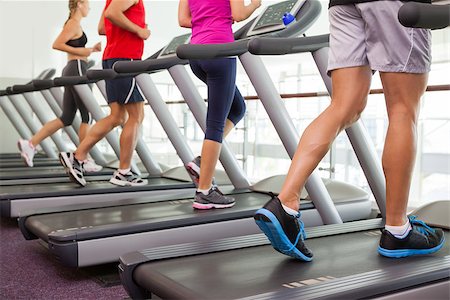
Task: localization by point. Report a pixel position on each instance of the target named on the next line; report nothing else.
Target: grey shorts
(370, 34)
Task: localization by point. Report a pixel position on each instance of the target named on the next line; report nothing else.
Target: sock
(124, 171)
(399, 232)
(31, 145)
(204, 192)
(289, 210)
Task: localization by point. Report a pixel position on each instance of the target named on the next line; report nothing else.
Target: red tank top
(121, 43)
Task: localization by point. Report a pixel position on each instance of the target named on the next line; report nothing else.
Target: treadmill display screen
(271, 18)
(171, 48)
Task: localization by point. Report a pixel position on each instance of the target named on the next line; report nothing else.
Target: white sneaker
(90, 166)
(27, 151)
(128, 179)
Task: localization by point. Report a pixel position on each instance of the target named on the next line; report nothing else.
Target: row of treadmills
(216, 254)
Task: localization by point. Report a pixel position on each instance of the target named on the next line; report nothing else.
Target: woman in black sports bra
(71, 40)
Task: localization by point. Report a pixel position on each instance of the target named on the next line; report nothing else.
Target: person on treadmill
(71, 40)
(123, 23)
(211, 24)
(365, 36)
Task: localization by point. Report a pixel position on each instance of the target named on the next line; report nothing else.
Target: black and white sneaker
(193, 169)
(286, 233)
(214, 199)
(73, 167)
(128, 179)
(421, 240)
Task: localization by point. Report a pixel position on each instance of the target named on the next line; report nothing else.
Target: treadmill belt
(252, 271)
(104, 222)
(43, 172)
(92, 188)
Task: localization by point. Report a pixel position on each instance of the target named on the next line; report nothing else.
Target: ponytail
(72, 7)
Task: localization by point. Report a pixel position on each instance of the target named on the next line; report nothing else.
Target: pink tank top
(211, 21)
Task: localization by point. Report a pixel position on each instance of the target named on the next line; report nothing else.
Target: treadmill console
(171, 49)
(271, 19)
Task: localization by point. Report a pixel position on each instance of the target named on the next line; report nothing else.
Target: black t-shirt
(341, 2)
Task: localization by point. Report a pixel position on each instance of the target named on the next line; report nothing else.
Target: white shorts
(370, 34)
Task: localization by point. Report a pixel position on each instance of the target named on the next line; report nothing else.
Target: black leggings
(71, 100)
(224, 99)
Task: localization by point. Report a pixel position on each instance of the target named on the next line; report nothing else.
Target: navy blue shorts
(123, 90)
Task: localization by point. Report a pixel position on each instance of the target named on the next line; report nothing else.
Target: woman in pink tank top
(211, 22)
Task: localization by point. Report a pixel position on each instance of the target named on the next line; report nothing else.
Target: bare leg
(350, 89)
(228, 127)
(128, 138)
(46, 131)
(82, 132)
(210, 155)
(101, 129)
(402, 92)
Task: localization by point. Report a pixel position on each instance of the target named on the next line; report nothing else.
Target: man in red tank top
(123, 23)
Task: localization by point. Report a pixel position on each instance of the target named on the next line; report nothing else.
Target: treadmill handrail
(23, 88)
(424, 15)
(72, 80)
(43, 84)
(107, 74)
(282, 46)
(148, 65)
(209, 51)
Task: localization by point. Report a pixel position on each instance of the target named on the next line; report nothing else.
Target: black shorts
(123, 90)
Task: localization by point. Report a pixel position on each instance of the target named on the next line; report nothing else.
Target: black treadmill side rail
(126, 270)
(5, 209)
(66, 253)
(370, 284)
(28, 235)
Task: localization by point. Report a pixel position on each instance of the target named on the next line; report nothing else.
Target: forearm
(120, 20)
(245, 12)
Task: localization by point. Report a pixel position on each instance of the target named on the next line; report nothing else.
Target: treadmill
(45, 170)
(53, 171)
(345, 266)
(20, 200)
(13, 107)
(95, 236)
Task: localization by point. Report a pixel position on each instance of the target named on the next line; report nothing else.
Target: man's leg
(402, 93)
(130, 131)
(128, 139)
(403, 237)
(116, 117)
(350, 89)
(73, 162)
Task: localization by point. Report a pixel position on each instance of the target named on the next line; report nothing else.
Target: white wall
(28, 29)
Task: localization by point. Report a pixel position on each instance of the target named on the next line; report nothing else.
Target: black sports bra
(79, 42)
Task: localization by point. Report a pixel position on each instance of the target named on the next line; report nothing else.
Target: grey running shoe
(214, 199)
(193, 169)
(128, 179)
(73, 167)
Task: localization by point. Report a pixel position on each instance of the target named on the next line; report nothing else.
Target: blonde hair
(73, 4)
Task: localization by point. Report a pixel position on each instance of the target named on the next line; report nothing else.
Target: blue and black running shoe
(421, 240)
(285, 232)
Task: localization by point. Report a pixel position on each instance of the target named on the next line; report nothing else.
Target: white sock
(289, 210)
(399, 232)
(124, 171)
(204, 192)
